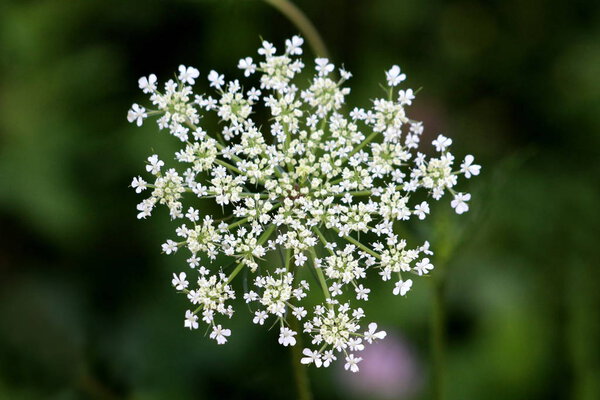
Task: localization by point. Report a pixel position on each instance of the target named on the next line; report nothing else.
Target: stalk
(437, 338)
(447, 243)
(300, 371)
(298, 18)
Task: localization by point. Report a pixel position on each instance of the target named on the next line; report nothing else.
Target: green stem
(322, 238)
(320, 275)
(298, 18)
(300, 370)
(236, 271)
(437, 338)
(360, 245)
(244, 220)
(365, 142)
(238, 223)
(355, 194)
(229, 166)
(263, 238)
(447, 239)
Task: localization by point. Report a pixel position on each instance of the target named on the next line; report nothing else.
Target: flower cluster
(318, 189)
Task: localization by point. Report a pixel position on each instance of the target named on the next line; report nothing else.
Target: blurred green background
(86, 306)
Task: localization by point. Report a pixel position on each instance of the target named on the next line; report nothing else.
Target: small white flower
(253, 94)
(193, 261)
(169, 247)
(394, 77)
(442, 143)
(402, 287)
(421, 210)
(138, 184)
(137, 114)
(294, 45)
(191, 320)
(460, 202)
(154, 164)
(468, 168)
(328, 358)
(247, 65)
(188, 74)
(335, 289)
(192, 214)
(405, 97)
(202, 270)
(299, 312)
(352, 363)
(311, 357)
(425, 249)
(251, 296)
(300, 259)
(180, 282)
(356, 344)
(267, 49)
(216, 80)
(286, 337)
(260, 317)
(423, 266)
(323, 66)
(148, 85)
(144, 208)
(372, 333)
(345, 75)
(362, 293)
(220, 334)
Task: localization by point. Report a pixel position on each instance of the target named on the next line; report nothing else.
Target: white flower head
(300, 180)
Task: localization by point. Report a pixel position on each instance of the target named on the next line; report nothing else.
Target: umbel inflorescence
(318, 187)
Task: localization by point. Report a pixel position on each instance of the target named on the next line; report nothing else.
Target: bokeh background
(86, 306)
